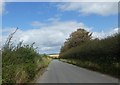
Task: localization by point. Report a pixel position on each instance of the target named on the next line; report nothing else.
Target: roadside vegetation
(21, 63)
(96, 54)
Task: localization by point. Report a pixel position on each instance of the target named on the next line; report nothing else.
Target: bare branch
(8, 41)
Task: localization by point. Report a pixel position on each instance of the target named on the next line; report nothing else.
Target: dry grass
(54, 56)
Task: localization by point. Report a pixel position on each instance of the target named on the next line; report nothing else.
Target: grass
(100, 55)
(21, 63)
(22, 66)
(41, 67)
(109, 70)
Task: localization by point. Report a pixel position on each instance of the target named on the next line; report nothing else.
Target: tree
(76, 38)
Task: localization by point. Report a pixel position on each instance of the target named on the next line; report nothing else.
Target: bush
(104, 53)
(20, 63)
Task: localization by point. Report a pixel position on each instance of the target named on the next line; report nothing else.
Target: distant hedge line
(105, 52)
(107, 48)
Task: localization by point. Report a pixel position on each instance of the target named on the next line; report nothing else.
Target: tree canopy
(76, 38)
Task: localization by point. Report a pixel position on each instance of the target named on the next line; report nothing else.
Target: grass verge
(106, 69)
(41, 68)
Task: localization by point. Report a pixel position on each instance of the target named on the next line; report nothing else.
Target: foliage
(76, 38)
(104, 53)
(21, 63)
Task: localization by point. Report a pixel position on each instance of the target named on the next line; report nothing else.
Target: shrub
(104, 53)
(20, 63)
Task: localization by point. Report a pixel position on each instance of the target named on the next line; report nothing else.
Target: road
(60, 72)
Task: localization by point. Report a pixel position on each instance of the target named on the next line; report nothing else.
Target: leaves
(20, 63)
(76, 38)
(104, 53)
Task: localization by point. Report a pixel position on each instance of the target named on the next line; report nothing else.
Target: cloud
(101, 8)
(54, 19)
(36, 23)
(7, 31)
(50, 38)
(103, 34)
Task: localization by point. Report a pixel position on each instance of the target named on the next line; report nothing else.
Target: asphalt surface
(60, 72)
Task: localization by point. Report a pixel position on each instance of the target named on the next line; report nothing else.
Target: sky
(49, 24)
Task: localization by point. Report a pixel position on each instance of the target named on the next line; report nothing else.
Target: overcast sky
(48, 24)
